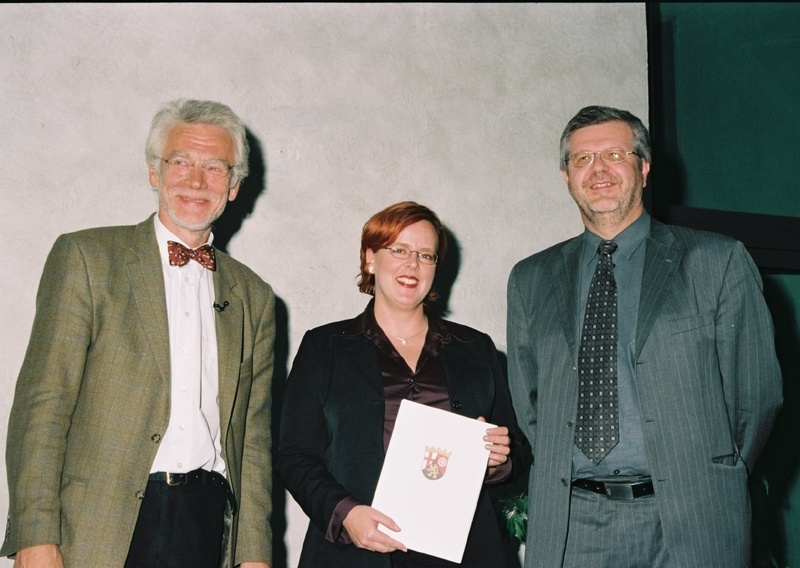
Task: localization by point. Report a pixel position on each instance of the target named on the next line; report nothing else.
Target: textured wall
(352, 107)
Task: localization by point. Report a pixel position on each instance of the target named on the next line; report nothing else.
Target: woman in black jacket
(345, 388)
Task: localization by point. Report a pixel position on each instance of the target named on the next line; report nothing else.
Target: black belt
(196, 477)
(617, 490)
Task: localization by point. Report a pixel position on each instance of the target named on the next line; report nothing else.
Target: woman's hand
(498, 444)
(361, 523)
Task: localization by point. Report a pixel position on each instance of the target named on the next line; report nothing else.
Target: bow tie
(180, 255)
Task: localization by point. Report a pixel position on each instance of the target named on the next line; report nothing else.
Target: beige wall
(354, 106)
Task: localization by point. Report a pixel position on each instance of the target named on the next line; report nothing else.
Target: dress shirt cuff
(336, 532)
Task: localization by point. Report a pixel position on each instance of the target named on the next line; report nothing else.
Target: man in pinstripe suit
(697, 381)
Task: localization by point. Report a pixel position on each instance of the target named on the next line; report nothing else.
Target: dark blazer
(331, 441)
(92, 398)
(706, 375)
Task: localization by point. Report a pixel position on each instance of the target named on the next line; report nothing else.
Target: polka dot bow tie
(180, 255)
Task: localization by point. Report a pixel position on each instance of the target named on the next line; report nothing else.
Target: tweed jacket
(92, 398)
(706, 376)
(331, 443)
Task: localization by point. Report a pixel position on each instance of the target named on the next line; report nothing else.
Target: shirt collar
(366, 324)
(627, 241)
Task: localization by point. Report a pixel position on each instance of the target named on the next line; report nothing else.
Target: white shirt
(192, 438)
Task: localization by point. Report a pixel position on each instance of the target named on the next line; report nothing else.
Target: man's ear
(645, 171)
(154, 176)
(233, 191)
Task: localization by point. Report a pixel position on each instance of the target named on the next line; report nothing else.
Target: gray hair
(189, 111)
(591, 115)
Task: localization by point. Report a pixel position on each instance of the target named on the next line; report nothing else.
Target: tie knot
(180, 255)
(607, 247)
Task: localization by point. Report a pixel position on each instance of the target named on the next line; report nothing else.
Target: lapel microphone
(221, 307)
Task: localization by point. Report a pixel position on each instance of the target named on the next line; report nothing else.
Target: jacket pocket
(726, 459)
(697, 321)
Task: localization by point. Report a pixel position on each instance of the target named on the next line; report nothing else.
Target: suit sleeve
(746, 350)
(503, 414)
(305, 436)
(254, 534)
(522, 370)
(46, 392)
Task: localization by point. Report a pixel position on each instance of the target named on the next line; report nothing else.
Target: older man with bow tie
(140, 430)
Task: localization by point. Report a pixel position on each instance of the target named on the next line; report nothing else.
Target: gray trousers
(613, 534)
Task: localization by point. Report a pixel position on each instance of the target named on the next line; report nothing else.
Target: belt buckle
(619, 491)
(174, 479)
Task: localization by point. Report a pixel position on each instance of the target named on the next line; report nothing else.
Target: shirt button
(569, 423)
(186, 314)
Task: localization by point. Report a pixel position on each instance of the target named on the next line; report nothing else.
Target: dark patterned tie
(597, 425)
(180, 255)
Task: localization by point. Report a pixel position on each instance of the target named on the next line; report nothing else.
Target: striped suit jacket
(92, 398)
(706, 374)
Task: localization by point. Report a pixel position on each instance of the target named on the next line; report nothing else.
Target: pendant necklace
(404, 341)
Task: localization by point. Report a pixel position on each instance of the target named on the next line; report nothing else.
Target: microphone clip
(221, 307)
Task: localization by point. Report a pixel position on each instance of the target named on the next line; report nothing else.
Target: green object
(514, 516)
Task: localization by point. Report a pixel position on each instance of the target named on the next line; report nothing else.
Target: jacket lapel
(229, 323)
(661, 261)
(458, 366)
(362, 354)
(147, 286)
(566, 276)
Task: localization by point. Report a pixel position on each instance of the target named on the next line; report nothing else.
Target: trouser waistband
(196, 477)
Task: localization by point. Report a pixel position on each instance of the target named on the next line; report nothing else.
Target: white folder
(431, 479)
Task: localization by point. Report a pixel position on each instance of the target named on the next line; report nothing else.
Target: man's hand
(39, 556)
(361, 523)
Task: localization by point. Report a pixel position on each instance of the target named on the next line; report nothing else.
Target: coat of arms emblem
(434, 464)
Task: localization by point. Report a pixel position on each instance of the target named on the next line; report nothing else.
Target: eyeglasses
(403, 253)
(610, 156)
(181, 166)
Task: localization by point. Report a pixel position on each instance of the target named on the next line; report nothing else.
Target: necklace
(404, 341)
